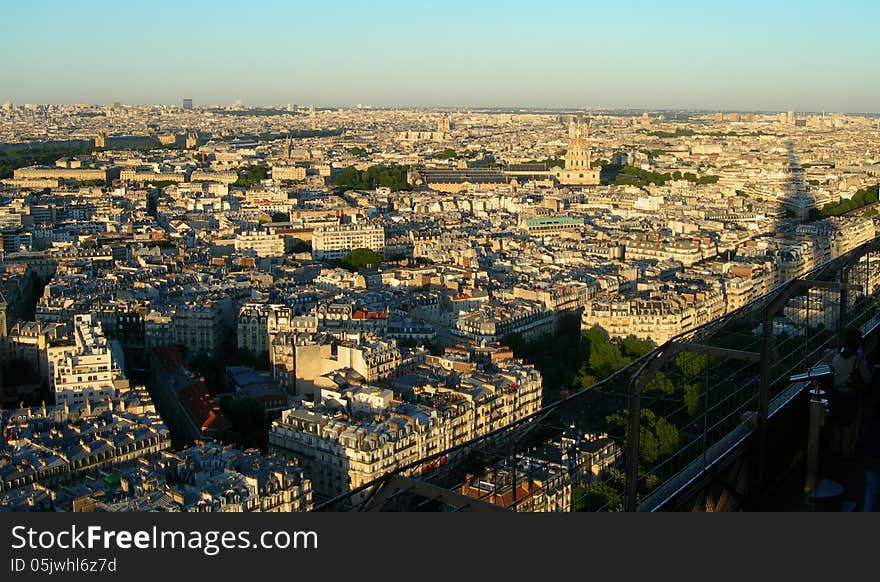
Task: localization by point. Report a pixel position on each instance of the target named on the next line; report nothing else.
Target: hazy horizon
(445, 107)
(747, 56)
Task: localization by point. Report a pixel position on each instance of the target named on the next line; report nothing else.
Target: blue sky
(751, 55)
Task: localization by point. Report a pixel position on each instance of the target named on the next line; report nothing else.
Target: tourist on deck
(852, 381)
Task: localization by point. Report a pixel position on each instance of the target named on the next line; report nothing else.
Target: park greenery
(17, 156)
(573, 360)
(359, 259)
(447, 154)
(393, 177)
(657, 437)
(628, 175)
(356, 151)
(40, 155)
(687, 132)
(653, 153)
(861, 199)
(600, 495)
(252, 176)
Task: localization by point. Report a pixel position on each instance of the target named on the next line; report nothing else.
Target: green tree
(604, 358)
(691, 364)
(693, 399)
(446, 154)
(659, 383)
(596, 496)
(559, 357)
(634, 348)
(360, 258)
(252, 176)
(393, 177)
(657, 437)
(583, 379)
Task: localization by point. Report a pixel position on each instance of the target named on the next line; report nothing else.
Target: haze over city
(747, 55)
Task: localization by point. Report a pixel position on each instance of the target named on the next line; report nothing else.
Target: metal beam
(396, 484)
(833, 285)
(720, 352)
(843, 308)
(632, 446)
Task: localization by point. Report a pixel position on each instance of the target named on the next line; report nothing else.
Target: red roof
(362, 313)
(198, 404)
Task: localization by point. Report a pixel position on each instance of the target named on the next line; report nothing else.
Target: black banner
(151, 546)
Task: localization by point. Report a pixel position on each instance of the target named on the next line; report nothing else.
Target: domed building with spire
(578, 161)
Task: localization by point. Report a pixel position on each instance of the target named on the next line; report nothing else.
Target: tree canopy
(393, 177)
(360, 258)
(446, 154)
(657, 437)
(631, 175)
(252, 175)
(861, 199)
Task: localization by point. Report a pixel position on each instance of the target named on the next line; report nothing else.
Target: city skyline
(749, 57)
(381, 257)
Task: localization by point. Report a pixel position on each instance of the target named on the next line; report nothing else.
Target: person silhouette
(852, 377)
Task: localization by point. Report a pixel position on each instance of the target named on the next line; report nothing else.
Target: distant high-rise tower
(188, 104)
(100, 141)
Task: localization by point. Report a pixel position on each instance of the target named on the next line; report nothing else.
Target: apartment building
(198, 325)
(88, 372)
(260, 243)
(334, 242)
(353, 435)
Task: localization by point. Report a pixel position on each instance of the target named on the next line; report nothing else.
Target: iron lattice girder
(395, 484)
